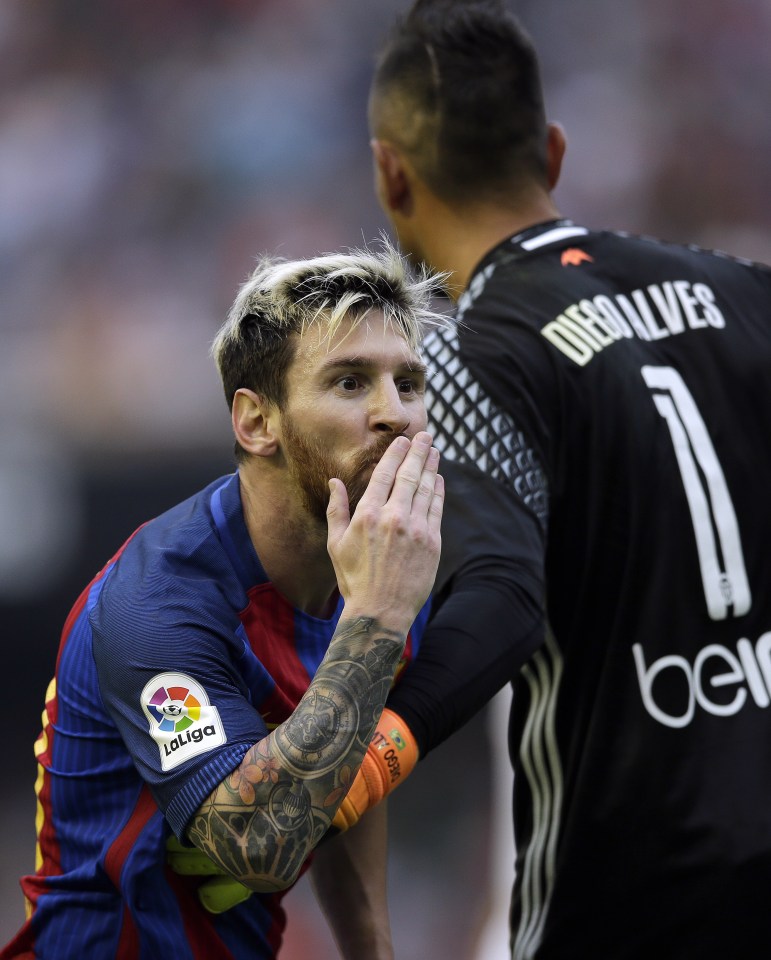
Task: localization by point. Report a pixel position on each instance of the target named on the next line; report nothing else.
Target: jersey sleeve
(487, 615)
(167, 659)
(497, 460)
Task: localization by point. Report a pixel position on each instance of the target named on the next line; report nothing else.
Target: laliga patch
(182, 721)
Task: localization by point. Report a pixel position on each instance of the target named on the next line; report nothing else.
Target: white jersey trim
(542, 766)
(553, 236)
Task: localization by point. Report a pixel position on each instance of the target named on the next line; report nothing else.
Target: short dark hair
(458, 87)
(283, 298)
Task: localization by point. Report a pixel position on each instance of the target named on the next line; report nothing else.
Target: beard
(312, 467)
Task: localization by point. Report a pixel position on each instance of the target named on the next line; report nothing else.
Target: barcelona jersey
(176, 659)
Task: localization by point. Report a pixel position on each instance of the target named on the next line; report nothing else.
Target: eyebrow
(346, 363)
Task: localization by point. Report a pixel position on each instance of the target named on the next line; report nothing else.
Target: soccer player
(218, 682)
(605, 408)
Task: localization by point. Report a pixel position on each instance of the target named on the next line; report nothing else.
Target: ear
(253, 423)
(392, 181)
(555, 151)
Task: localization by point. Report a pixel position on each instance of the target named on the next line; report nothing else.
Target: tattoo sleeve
(263, 820)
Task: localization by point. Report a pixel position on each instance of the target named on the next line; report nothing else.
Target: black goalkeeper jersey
(604, 415)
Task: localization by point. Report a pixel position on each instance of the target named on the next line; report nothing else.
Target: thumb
(338, 514)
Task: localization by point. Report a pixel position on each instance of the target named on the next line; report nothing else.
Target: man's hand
(385, 558)
(386, 555)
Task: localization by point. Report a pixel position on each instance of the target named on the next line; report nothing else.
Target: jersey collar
(536, 237)
(228, 515)
(543, 235)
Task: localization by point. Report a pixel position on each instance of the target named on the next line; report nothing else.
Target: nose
(387, 412)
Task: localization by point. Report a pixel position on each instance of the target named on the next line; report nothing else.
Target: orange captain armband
(390, 757)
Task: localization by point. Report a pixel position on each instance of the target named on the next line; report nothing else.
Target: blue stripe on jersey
(226, 538)
(227, 513)
(258, 680)
(268, 933)
(418, 628)
(312, 637)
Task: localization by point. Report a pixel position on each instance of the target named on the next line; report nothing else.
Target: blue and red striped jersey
(175, 659)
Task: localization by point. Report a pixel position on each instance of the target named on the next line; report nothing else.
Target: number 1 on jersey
(712, 511)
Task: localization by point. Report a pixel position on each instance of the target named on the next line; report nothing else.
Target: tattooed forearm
(261, 823)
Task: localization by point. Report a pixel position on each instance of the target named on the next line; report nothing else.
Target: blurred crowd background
(148, 153)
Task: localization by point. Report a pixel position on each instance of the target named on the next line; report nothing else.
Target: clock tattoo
(315, 737)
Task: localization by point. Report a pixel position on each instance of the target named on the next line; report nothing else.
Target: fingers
(436, 507)
(424, 494)
(338, 513)
(415, 482)
(385, 555)
(405, 468)
(383, 476)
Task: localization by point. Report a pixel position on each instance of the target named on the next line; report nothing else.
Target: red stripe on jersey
(123, 844)
(269, 622)
(128, 945)
(202, 939)
(116, 856)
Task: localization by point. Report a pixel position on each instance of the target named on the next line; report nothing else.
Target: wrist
(391, 756)
(392, 621)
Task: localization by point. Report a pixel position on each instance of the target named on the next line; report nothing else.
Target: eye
(348, 384)
(412, 385)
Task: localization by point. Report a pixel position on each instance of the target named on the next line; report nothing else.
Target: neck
(291, 545)
(458, 238)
